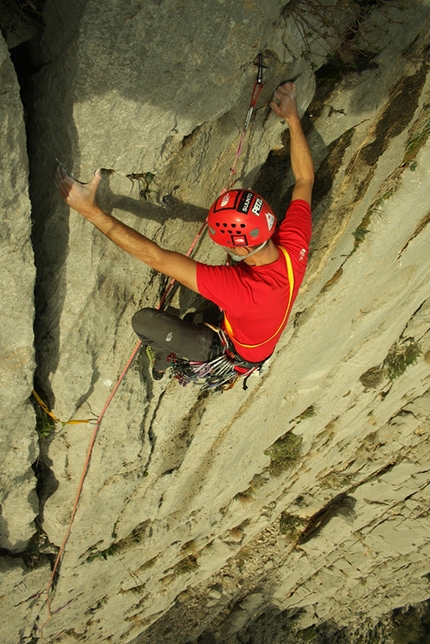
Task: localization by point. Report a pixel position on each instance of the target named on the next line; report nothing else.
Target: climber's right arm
(82, 198)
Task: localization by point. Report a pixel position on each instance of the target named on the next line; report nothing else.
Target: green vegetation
(360, 233)
(372, 378)
(362, 229)
(45, 425)
(308, 413)
(289, 525)
(309, 634)
(400, 357)
(257, 481)
(284, 453)
(412, 625)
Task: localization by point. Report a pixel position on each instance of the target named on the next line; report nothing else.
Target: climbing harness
(287, 310)
(219, 373)
(222, 372)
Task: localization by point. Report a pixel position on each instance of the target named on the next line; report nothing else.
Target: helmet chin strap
(239, 258)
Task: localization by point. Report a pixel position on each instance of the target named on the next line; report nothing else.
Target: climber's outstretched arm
(284, 105)
(82, 198)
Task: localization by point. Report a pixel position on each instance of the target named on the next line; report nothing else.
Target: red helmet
(240, 218)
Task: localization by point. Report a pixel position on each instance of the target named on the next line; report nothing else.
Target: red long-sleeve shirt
(255, 298)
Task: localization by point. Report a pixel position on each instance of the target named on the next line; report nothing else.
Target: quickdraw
(258, 86)
(48, 412)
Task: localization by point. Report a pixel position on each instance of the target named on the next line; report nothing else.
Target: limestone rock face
(161, 106)
(305, 493)
(18, 438)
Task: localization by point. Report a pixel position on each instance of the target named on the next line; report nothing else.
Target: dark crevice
(46, 485)
(26, 69)
(342, 504)
(39, 549)
(151, 435)
(38, 552)
(330, 165)
(396, 116)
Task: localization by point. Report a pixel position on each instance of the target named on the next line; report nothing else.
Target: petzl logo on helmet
(257, 206)
(270, 220)
(244, 202)
(224, 200)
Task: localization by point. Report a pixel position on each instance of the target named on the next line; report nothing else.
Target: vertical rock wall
(200, 512)
(18, 438)
(126, 89)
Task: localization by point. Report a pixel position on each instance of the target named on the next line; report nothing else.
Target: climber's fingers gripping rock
(79, 196)
(284, 101)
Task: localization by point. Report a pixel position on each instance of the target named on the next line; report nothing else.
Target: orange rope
(83, 475)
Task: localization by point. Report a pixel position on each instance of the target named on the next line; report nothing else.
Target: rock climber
(256, 293)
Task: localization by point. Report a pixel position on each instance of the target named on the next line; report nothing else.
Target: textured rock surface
(17, 440)
(187, 527)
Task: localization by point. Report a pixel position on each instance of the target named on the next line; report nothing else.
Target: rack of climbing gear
(217, 374)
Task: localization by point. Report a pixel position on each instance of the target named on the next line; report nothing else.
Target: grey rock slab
(23, 597)
(18, 440)
(108, 96)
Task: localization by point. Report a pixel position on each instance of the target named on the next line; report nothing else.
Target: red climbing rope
(93, 440)
(84, 473)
